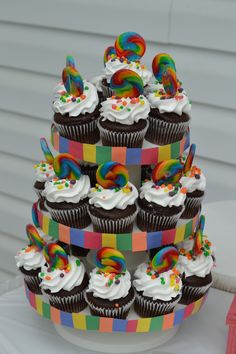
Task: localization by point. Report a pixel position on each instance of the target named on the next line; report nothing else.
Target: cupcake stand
(134, 334)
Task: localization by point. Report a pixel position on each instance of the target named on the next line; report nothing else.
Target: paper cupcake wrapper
(115, 312)
(152, 222)
(191, 294)
(77, 217)
(163, 133)
(122, 225)
(149, 308)
(192, 207)
(106, 91)
(127, 139)
(70, 303)
(33, 281)
(83, 133)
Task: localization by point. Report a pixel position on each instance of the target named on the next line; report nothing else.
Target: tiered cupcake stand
(134, 334)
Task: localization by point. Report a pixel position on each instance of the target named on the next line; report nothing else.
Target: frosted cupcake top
(193, 180)
(30, 258)
(97, 82)
(44, 171)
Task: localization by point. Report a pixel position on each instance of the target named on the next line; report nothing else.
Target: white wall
(36, 36)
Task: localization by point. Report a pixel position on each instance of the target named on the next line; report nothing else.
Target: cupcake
(110, 292)
(97, 82)
(63, 279)
(123, 119)
(112, 206)
(128, 49)
(75, 106)
(30, 259)
(44, 172)
(161, 200)
(66, 197)
(157, 284)
(195, 263)
(194, 181)
(170, 107)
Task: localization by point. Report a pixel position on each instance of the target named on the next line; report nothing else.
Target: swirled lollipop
(73, 81)
(170, 81)
(165, 259)
(126, 83)
(112, 175)
(46, 151)
(109, 53)
(34, 214)
(189, 159)
(110, 260)
(66, 166)
(167, 171)
(70, 61)
(35, 239)
(130, 45)
(160, 63)
(55, 256)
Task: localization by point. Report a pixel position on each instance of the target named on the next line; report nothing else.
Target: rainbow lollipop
(70, 61)
(201, 223)
(55, 256)
(112, 175)
(130, 45)
(66, 166)
(189, 160)
(35, 239)
(73, 82)
(167, 171)
(47, 152)
(35, 214)
(165, 259)
(110, 260)
(109, 53)
(126, 83)
(159, 64)
(170, 81)
(198, 243)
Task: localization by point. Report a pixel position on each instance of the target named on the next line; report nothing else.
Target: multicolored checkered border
(102, 324)
(136, 241)
(126, 156)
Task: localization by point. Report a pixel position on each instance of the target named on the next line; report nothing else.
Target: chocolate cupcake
(75, 107)
(110, 292)
(112, 203)
(44, 172)
(64, 280)
(97, 82)
(30, 259)
(161, 200)
(158, 286)
(124, 116)
(195, 263)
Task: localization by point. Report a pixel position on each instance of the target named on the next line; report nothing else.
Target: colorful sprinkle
(73, 81)
(165, 259)
(167, 171)
(126, 83)
(46, 151)
(112, 175)
(34, 237)
(110, 53)
(159, 64)
(66, 166)
(130, 45)
(170, 81)
(110, 260)
(55, 256)
(189, 159)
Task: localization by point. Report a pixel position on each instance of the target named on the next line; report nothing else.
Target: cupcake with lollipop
(110, 292)
(63, 279)
(66, 197)
(194, 181)
(195, 264)
(124, 116)
(112, 203)
(170, 107)
(75, 106)
(30, 259)
(158, 284)
(162, 198)
(126, 53)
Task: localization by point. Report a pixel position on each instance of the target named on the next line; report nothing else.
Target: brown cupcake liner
(191, 293)
(152, 222)
(106, 91)
(83, 133)
(192, 207)
(146, 307)
(33, 283)
(127, 139)
(162, 133)
(121, 225)
(120, 312)
(77, 217)
(70, 303)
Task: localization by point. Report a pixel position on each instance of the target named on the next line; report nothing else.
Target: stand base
(115, 342)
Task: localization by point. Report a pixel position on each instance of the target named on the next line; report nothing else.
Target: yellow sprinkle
(142, 103)
(117, 108)
(177, 288)
(60, 186)
(166, 190)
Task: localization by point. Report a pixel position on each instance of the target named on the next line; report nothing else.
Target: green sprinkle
(149, 273)
(121, 107)
(67, 184)
(110, 281)
(162, 281)
(78, 100)
(77, 262)
(117, 189)
(66, 94)
(141, 97)
(41, 274)
(128, 109)
(86, 88)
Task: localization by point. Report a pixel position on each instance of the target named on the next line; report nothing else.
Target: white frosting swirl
(160, 288)
(161, 195)
(110, 198)
(199, 266)
(98, 285)
(179, 104)
(97, 82)
(131, 112)
(44, 171)
(77, 107)
(29, 258)
(192, 184)
(57, 191)
(55, 281)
